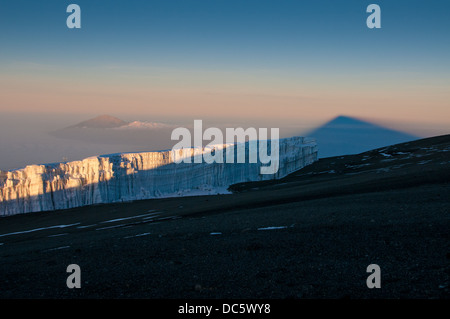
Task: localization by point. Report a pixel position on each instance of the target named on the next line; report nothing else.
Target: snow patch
(57, 248)
(138, 235)
(359, 165)
(38, 229)
(168, 217)
(110, 227)
(57, 235)
(327, 172)
(87, 226)
(125, 218)
(150, 217)
(272, 228)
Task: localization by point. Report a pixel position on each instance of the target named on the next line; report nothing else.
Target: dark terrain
(330, 220)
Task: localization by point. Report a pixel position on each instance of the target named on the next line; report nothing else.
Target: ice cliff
(134, 176)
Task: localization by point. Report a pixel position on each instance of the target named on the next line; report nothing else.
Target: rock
(198, 287)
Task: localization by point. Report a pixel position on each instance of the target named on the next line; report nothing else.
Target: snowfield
(135, 176)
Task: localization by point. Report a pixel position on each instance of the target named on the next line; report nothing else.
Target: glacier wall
(135, 176)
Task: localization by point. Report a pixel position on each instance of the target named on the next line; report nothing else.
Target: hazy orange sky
(252, 94)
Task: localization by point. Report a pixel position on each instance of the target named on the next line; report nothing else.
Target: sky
(273, 62)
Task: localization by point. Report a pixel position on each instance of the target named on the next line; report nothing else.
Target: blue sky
(316, 50)
(233, 33)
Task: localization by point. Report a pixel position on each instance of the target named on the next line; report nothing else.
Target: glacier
(135, 176)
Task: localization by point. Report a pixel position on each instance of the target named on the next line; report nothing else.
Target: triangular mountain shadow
(345, 135)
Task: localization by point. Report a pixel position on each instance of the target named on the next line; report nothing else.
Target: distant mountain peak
(102, 121)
